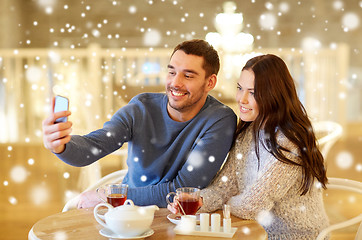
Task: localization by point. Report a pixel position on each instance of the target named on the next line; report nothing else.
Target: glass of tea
(113, 193)
(187, 198)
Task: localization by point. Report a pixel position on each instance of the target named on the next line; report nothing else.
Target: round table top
(81, 224)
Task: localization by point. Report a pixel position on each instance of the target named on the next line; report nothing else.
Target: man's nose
(177, 81)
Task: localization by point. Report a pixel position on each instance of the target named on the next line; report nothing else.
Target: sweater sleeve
(201, 166)
(84, 150)
(222, 187)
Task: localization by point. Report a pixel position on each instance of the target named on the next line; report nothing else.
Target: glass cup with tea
(115, 193)
(187, 199)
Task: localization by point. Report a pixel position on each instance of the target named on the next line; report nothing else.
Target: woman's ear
(211, 82)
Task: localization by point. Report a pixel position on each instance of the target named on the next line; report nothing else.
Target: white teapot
(126, 220)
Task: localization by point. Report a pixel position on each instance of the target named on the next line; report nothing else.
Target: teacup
(115, 193)
(188, 199)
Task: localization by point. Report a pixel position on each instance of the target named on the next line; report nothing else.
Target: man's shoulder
(214, 105)
(148, 98)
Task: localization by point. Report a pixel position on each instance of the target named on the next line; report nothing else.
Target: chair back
(112, 177)
(327, 133)
(348, 185)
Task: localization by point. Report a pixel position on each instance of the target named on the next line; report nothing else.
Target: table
(81, 224)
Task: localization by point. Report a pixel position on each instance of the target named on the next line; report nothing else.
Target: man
(176, 139)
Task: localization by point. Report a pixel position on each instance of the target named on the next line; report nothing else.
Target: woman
(274, 173)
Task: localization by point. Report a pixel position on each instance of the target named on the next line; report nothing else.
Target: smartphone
(61, 104)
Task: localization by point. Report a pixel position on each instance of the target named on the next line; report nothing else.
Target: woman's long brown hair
(280, 109)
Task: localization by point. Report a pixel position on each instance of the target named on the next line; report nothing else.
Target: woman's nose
(243, 97)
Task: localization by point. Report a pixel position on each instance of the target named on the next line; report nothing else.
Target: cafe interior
(99, 54)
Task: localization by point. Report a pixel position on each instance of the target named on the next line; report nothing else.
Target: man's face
(186, 86)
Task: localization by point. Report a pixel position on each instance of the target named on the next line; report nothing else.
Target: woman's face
(245, 96)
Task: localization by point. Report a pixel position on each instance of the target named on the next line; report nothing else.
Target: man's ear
(211, 82)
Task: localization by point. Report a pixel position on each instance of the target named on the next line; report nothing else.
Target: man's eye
(188, 76)
(171, 73)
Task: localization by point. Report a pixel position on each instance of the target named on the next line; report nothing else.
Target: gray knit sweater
(270, 194)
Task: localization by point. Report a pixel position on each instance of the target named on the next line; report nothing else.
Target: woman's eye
(252, 93)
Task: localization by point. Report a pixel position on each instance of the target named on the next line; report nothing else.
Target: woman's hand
(174, 206)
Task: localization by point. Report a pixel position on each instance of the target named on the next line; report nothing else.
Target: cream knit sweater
(270, 194)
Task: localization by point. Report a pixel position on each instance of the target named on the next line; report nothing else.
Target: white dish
(176, 218)
(197, 232)
(105, 232)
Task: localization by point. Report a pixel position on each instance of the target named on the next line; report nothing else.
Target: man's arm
(84, 150)
(202, 164)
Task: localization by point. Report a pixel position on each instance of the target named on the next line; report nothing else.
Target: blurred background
(100, 54)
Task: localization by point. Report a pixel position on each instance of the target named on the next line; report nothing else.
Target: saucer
(109, 234)
(176, 218)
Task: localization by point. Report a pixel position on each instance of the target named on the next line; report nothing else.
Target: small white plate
(109, 234)
(176, 218)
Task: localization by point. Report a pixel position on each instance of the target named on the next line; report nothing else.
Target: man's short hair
(203, 49)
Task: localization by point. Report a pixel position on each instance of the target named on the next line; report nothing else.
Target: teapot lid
(128, 210)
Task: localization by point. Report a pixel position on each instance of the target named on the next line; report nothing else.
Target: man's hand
(56, 135)
(89, 199)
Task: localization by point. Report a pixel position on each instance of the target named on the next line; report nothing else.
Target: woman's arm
(222, 187)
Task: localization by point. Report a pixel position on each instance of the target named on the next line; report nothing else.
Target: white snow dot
(269, 5)
(95, 151)
(31, 161)
(6, 183)
(18, 174)
(10, 148)
(267, 21)
(264, 218)
(13, 200)
(350, 21)
(39, 195)
(109, 134)
(224, 178)
(66, 175)
(33, 74)
(239, 156)
(132, 9)
(196, 159)
(96, 33)
(143, 178)
(60, 235)
(190, 168)
(211, 159)
(284, 7)
(152, 38)
(136, 159)
(344, 160)
(359, 167)
(338, 5)
(352, 199)
(246, 230)
(318, 185)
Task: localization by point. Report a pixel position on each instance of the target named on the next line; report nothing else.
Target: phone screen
(61, 104)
